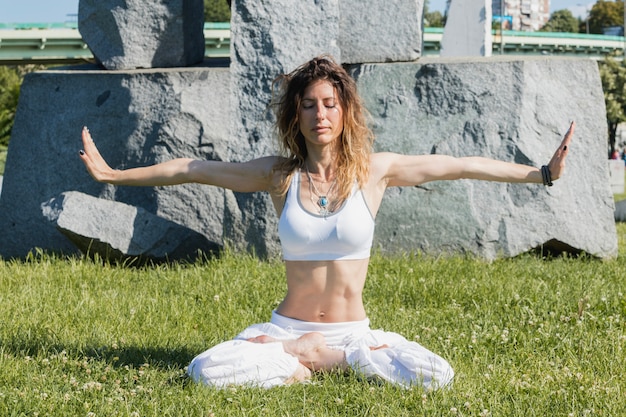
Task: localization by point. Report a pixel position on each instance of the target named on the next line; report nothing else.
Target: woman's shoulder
(382, 159)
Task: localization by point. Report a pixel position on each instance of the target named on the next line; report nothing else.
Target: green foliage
(10, 83)
(604, 14)
(561, 21)
(434, 20)
(216, 11)
(613, 76)
(526, 336)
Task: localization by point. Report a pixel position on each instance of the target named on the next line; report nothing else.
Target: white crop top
(346, 233)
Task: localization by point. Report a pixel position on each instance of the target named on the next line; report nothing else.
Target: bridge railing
(540, 43)
(43, 43)
(61, 43)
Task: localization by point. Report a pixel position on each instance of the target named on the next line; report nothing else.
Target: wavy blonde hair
(356, 139)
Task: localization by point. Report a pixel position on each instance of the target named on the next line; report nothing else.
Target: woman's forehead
(319, 88)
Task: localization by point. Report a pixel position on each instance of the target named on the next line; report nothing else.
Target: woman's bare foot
(311, 351)
(263, 339)
(302, 374)
(385, 346)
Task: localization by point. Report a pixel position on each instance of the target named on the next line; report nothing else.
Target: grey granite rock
(468, 29)
(136, 118)
(380, 30)
(143, 34)
(118, 232)
(514, 109)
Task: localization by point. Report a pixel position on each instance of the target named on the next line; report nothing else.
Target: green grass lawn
(526, 337)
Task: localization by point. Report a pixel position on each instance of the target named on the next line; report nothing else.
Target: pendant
(323, 203)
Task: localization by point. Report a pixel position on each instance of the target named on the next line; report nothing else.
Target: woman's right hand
(94, 162)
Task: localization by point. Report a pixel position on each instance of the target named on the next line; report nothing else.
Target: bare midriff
(325, 291)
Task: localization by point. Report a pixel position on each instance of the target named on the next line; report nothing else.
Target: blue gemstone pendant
(323, 203)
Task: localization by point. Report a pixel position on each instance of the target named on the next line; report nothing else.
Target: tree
(216, 11)
(605, 14)
(561, 21)
(434, 20)
(10, 82)
(613, 76)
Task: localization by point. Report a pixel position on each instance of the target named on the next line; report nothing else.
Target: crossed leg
(312, 353)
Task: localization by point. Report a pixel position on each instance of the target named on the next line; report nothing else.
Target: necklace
(322, 198)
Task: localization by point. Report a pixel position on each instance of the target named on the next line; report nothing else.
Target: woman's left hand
(557, 163)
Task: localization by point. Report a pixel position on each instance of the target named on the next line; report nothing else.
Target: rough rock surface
(511, 109)
(143, 34)
(468, 29)
(136, 118)
(120, 232)
(380, 30)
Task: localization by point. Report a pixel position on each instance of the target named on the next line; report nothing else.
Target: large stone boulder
(137, 118)
(380, 30)
(143, 34)
(268, 39)
(514, 109)
(468, 29)
(434, 106)
(122, 233)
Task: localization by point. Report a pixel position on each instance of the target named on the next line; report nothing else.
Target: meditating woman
(327, 186)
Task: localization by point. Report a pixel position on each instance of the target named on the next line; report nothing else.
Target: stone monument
(468, 29)
(510, 108)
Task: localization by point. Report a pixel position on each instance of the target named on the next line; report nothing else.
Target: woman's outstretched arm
(249, 176)
(418, 169)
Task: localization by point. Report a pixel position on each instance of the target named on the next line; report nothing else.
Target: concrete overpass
(41, 43)
(62, 44)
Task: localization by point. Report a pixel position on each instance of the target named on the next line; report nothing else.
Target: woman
(326, 188)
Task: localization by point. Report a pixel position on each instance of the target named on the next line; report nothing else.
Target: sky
(577, 7)
(38, 11)
(59, 11)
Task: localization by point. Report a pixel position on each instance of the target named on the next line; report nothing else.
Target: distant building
(528, 15)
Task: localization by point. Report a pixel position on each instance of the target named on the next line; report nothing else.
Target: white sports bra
(346, 233)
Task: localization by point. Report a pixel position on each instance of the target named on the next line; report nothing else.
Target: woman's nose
(321, 113)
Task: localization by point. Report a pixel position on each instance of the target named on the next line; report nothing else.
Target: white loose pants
(239, 362)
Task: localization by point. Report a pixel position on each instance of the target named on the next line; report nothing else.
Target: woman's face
(321, 115)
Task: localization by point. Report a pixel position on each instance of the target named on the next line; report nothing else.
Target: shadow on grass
(43, 344)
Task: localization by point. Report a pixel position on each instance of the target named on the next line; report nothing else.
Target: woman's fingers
(557, 163)
(95, 164)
